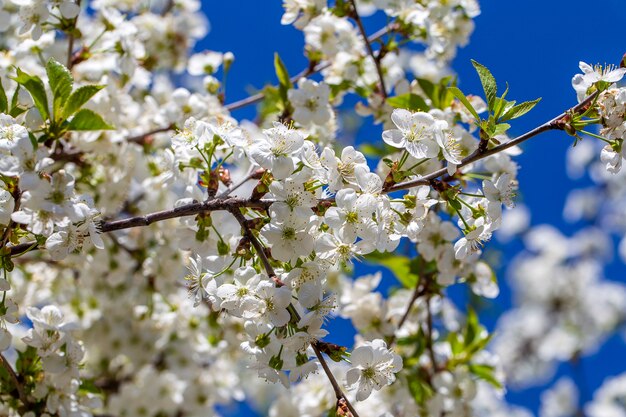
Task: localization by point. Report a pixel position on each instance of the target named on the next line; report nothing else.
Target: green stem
(462, 218)
(472, 195)
(418, 164)
(403, 159)
(593, 135)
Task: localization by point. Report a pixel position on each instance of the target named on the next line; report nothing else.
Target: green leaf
(15, 109)
(61, 82)
(281, 71)
(519, 110)
(400, 266)
(35, 87)
(79, 97)
(272, 102)
(283, 80)
(501, 128)
(4, 103)
(16, 96)
(472, 327)
(461, 97)
(455, 204)
(427, 87)
(485, 372)
(86, 119)
(419, 389)
(488, 82)
(408, 101)
(501, 106)
(373, 150)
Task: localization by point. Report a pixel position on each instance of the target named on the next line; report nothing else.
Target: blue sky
(533, 45)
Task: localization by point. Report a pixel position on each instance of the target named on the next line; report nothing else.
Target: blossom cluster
(161, 257)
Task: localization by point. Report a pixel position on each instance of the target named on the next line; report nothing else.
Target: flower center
(289, 233)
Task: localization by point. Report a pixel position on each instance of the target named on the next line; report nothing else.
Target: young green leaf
(15, 109)
(79, 97)
(485, 372)
(35, 87)
(519, 110)
(488, 82)
(86, 119)
(501, 106)
(461, 97)
(281, 72)
(427, 87)
(408, 101)
(4, 102)
(61, 82)
(472, 327)
(283, 81)
(400, 266)
(501, 128)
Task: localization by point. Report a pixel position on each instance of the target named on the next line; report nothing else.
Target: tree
(114, 178)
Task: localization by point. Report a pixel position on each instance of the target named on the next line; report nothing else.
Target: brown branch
(169, 6)
(429, 336)
(368, 44)
(254, 174)
(419, 291)
(16, 381)
(341, 397)
(142, 139)
(70, 41)
(556, 123)
(313, 69)
(258, 247)
(185, 210)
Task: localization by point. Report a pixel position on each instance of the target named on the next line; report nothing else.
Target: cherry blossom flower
(374, 366)
(418, 133)
(276, 150)
(310, 101)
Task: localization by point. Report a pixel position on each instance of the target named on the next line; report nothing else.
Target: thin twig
(16, 381)
(181, 211)
(70, 41)
(169, 6)
(272, 274)
(368, 45)
(142, 138)
(419, 291)
(258, 247)
(553, 124)
(252, 174)
(338, 392)
(304, 73)
(429, 336)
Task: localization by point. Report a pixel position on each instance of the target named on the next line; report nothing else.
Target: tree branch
(338, 392)
(141, 139)
(429, 336)
(306, 72)
(185, 210)
(16, 381)
(258, 247)
(556, 123)
(419, 291)
(229, 203)
(368, 45)
(70, 42)
(341, 398)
